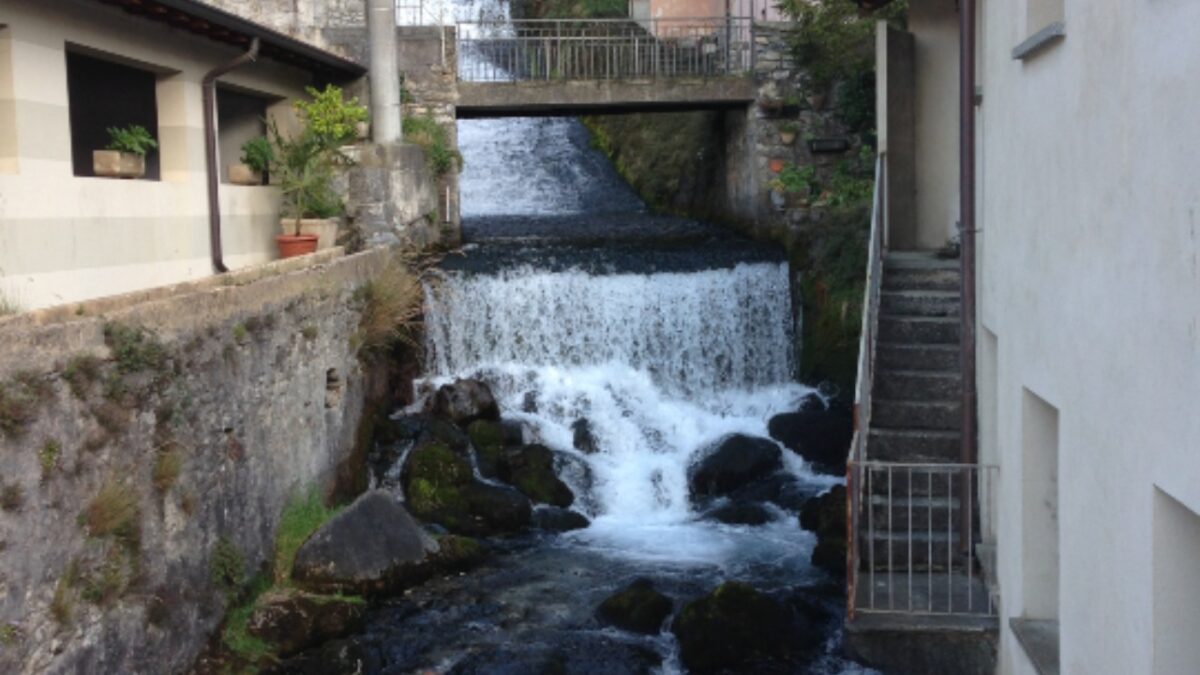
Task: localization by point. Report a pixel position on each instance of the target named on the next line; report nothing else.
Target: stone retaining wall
(148, 445)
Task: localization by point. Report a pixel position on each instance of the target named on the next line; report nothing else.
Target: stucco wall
(66, 238)
(934, 23)
(258, 392)
(1089, 218)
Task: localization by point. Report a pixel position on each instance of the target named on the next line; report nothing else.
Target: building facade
(1088, 320)
(71, 69)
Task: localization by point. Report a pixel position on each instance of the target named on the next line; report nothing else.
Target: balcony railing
(603, 49)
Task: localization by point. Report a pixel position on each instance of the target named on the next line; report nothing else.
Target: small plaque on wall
(819, 146)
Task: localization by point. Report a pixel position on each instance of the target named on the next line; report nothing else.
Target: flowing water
(664, 335)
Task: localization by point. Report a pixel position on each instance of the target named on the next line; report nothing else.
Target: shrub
(329, 117)
(135, 348)
(433, 139)
(133, 138)
(258, 154)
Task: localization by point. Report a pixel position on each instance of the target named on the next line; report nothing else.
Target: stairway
(916, 417)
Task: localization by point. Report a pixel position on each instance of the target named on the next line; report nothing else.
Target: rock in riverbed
(736, 461)
(555, 519)
(465, 401)
(826, 516)
(372, 546)
(293, 621)
(440, 487)
(637, 608)
(819, 434)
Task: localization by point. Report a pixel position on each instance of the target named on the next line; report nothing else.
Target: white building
(1087, 327)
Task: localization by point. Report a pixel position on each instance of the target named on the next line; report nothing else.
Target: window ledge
(1040, 40)
(1039, 639)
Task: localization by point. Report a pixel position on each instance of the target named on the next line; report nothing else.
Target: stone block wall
(149, 444)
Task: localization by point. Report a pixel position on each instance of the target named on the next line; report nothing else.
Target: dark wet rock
(456, 554)
(465, 401)
(489, 441)
(449, 435)
(530, 469)
(780, 488)
(399, 428)
(818, 434)
(372, 546)
(736, 461)
(637, 608)
(741, 513)
(735, 627)
(514, 432)
(826, 516)
(584, 439)
(340, 657)
(440, 487)
(555, 519)
(295, 621)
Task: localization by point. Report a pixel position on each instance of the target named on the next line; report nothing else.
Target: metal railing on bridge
(603, 49)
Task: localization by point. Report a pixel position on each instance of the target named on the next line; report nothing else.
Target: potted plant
(256, 158)
(125, 156)
(795, 186)
(304, 164)
(787, 132)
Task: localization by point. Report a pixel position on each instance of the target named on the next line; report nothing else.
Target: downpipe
(968, 452)
(209, 87)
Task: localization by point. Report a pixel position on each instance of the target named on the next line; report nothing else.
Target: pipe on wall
(384, 73)
(966, 144)
(209, 87)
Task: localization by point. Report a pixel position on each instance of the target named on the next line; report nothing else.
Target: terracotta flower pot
(241, 174)
(787, 137)
(324, 229)
(117, 164)
(292, 245)
(776, 165)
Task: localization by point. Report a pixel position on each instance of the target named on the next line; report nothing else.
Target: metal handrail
(877, 248)
(603, 49)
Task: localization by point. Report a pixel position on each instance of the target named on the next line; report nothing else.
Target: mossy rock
(433, 480)
(488, 439)
(638, 608)
(731, 627)
(456, 554)
(530, 469)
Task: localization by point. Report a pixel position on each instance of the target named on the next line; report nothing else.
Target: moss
(227, 566)
(304, 513)
(531, 470)
(638, 607)
(168, 462)
(488, 439)
(10, 635)
(48, 457)
(11, 497)
(236, 636)
(114, 512)
(81, 372)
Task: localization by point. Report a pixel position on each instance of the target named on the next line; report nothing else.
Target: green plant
(11, 497)
(239, 332)
(168, 462)
(48, 457)
(236, 634)
(304, 166)
(800, 180)
(106, 583)
(133, 138)
(134, 348)
(392, 303)
(305, 512)
(258, 154)
(832, 41)
(330, 117)
(227, 566)
(81, 371)
(9, 635)
(433, 139)
(789, 127)
(114, 512)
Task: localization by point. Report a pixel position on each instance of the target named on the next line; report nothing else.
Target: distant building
(1087, 325)
(71, 69)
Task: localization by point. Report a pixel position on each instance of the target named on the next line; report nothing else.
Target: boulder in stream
(735, 462)
(583, 438)
(372, 546)
(489, 440)
(530, 469)
(826, 516)
(741, 513)
(440, 487)
(637, 608)
(734, 627)
(294, 621)
(555, 519)
(820, 434)
(465, 401)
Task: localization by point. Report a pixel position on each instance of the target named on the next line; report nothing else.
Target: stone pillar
(385, 74)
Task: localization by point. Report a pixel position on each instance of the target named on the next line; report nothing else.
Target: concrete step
(917, 385)
(892, 550)
(933, 415)
(926, 514)
(902, 356)
(920, 278)
(916, 446)
(919, 259)
(920, 303)
(918, 329)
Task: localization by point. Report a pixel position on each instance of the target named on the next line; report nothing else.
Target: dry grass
(167, 464)
(114, 512)
(393, 303)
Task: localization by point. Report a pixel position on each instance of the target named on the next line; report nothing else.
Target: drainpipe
(209, 87)
(385, 73)
(966, 144)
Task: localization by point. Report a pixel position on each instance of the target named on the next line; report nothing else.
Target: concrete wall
(895, 121)
(1090, 285)
(66, 238)
(934, 25)
(339, 26)
(260, 395)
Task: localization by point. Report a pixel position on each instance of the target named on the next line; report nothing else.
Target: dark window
(240, 118)
(103, 94)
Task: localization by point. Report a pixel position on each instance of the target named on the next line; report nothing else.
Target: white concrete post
(385, 74)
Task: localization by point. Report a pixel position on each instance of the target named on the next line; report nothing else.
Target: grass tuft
(62, 605)
(168, 462)
(114, 512)
(48, 457)
(236, 634)
(302, 516)
(20, 399)
(11, 497)
(392, 304)
(81, 372)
